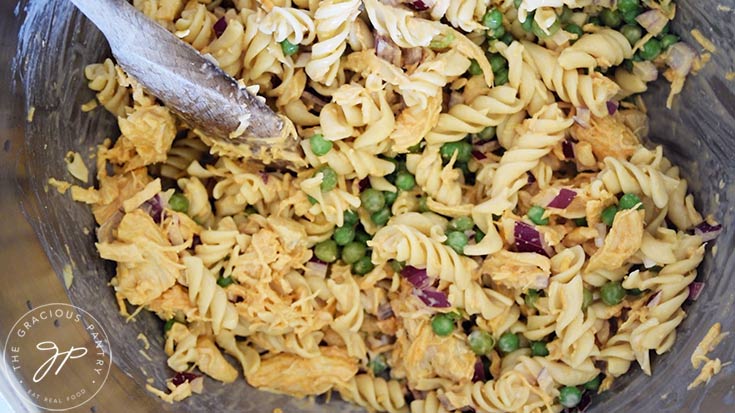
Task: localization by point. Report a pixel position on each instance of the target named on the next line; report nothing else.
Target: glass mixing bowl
(44, 48)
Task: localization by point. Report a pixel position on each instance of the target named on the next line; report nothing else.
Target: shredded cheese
(60, 186)
(31, 114)
(76, 167)
(68, 276)
(711, 366)
(703, 41)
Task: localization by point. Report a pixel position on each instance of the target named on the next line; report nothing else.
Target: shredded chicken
(430, 355)
(518, 270)
(623, 240)
(608, 137)
(300, 377)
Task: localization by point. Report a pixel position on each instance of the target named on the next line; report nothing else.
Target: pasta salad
(476, 225)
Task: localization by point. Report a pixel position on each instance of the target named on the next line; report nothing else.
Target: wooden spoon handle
(189, 84)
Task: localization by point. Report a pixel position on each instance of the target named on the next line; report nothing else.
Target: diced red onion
(385, 311)
(544, 379)
(478, 155)
(655, 299)
(567, 147)
(563, 199)
(154, 208)
(531, 178)
(418, 5)
(707, 232)
(540, 283)
(182, 377)
(695, 290)
(582, 117)
(528, 239)
(680, 58)
(649, 263)
(317, 267)
(412, 55)
(653, 21)
(479, 371)
(364, 184)
(387, 50)
(432, 297)
(264, 177)
(602, 231)
(612, 107)
(416, 276)
(220, 26)
(645, 70)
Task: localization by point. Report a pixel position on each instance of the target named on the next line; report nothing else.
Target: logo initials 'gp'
(71, 354)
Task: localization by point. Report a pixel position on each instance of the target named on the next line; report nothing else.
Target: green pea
(442, 41)
(381, 217)
(344, 235)
(501, 77)
(326, 250)
(594, 20)
(397, 266)
(378, 364)
(538, 349)
(224, 281)
(611, 18)
(608, 215)
(536, 215)
(329, 178)
(405, 181)
(169, 324)
(587, 299)
(390, 197)
(361, 236)
(527, 24)
(580, 222)
(508, 342)
(570, 396)
(423, 205)
(531, 298)
(289, 48)
(415, 148)
(612, 293)
(632, 32)
(651, 49)
(479, 236)
(372, 200)
(573, 28)
(507, 38)
(319, 145)
(493, 19)
(497, 62)
(457, 240)
(350, 217)
(481, 342)
(629, 201)
(442, 324)
(475, 69)
(461, 224)
(495, 33)
(669, 40)
(462, 148)
(566, 14)
(626, 5)
(541, 33)
(593, 384)
(363, 266)
(630, 15)
(487, 133)
(352, 252)
(179, 203)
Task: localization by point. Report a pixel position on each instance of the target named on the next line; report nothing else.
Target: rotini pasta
(475, 224)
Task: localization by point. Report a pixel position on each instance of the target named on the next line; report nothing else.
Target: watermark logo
(60, 356)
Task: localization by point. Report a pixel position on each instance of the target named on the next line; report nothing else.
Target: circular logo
(60, 356)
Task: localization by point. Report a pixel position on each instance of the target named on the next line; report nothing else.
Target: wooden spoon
(188, 83)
